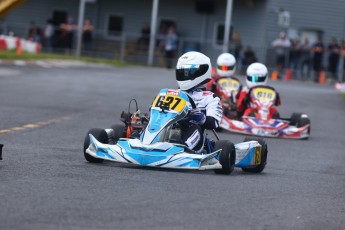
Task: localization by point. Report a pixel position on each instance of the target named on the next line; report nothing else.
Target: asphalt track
(45, 182)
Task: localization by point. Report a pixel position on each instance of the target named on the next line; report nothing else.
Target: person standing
(34, 33)
(342, 76)
(171, 41)
(333, 58)
(235, 45)
(249, 57)
(67, 35)
(281, 46)
(318, 49)
(160, 45)
(305, 59)
(87, 35)
(48, 35)
(295, 57)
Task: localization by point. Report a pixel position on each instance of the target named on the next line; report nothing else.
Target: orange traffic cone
(274, 76)
(19, 47)
(288, 74)
(322, 78)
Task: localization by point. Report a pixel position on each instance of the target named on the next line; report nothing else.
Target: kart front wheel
(101, 136)
(119, 132)
(227, 156)
(258, 168)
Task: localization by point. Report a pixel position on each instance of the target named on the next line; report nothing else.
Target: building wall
(307, 15)
(256, 24)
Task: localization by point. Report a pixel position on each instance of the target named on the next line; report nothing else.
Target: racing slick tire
(259, 168)
(227, 156)
(119, 132)
(299, 121)
(101, 136)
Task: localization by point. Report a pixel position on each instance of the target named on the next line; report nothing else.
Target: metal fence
(132, 49)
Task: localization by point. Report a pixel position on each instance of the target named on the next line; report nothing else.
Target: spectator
(235, 45)
(67, 35)
(144, 40)
(87, 35)
(318, 49)
(305, 58)
(333, 58)
(342, 77)
(249, 57)
(48, 35)
(281, 46)
(170, 44)
(160, 44)
(34, 33)
(295, 57)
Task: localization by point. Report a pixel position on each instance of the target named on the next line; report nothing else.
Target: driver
(226, 68)
(256, 76)
(193, 71)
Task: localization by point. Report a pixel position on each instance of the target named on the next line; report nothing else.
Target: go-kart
(158, 142)
(229, 90)
(261, 122)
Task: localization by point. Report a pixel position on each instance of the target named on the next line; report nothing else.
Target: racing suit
(228, 102)
(207, 116)
(246, 107)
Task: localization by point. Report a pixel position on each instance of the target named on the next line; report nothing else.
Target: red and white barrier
(15, 43)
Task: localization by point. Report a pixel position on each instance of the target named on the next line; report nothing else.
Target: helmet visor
(226, 67)
(256, 79)
(190, 72)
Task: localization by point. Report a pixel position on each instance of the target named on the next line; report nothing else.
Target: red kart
(260, 121)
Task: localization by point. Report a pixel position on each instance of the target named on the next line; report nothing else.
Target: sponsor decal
(173, 92)
(257, 156)
(205, 93)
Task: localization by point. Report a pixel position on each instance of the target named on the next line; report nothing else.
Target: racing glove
(197, 117)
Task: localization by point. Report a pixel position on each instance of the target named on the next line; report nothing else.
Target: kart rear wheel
(299, 121)
(119, 132)
(259, 168)
(227, 156)
(101, 136)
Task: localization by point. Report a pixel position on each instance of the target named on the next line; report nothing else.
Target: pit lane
(45, 182)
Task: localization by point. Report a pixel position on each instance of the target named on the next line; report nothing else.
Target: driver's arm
(278, 101)
(213, 112)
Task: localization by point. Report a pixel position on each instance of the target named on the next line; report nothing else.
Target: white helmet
(193, 69)
(226, 65)
(256, 74)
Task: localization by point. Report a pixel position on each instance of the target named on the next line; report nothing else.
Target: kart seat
(175, 136)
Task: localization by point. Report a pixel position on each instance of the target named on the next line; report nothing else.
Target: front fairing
(228, 86)
(263, 98)
(168, 107)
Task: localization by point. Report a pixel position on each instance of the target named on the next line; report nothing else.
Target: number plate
(264, 94)
(173, 102)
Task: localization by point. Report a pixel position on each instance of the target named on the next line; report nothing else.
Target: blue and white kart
(160, 145)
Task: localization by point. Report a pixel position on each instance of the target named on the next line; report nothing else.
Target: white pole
(153, 31)
(80, 26)
(227, 25)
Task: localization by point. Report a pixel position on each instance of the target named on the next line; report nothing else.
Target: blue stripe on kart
(247, 160)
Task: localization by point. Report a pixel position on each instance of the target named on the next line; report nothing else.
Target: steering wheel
(191, 102)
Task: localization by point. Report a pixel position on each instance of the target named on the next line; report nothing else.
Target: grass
(12, 55)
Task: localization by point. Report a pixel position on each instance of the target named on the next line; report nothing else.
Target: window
(59, 17)
(219, 36)
(115, 25)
